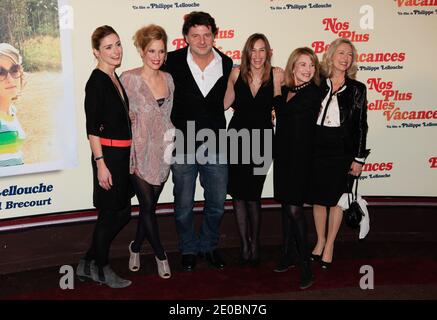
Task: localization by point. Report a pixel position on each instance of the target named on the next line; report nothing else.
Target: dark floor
(31, 259)
(43, 279)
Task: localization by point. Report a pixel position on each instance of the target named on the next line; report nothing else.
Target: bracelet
(98, 158)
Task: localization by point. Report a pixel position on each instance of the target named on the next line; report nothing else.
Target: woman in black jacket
(296, 105)
(340, 142)
(109, 133)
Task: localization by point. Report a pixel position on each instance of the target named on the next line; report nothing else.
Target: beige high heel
(163, 268)
(134, 260)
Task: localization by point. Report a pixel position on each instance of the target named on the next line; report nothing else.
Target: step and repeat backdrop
(395, 40)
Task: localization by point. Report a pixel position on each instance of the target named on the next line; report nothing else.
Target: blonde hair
(294, 56)
(144, 36)
(326, 64)
(14, 55)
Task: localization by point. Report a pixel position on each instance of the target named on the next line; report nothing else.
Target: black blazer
(189, 103)
(352, 103)
(107, 116)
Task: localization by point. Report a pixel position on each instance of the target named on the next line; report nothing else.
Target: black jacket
(352, 103)
(189, 104)
(106, 114)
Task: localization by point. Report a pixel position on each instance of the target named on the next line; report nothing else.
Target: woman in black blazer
(109, 133)
(340, 142)
(296, 105)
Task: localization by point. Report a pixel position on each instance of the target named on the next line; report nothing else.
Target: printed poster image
(37, 126)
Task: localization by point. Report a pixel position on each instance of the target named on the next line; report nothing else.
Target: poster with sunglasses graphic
(36, 90)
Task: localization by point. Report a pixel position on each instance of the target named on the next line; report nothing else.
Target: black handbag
(354, 214)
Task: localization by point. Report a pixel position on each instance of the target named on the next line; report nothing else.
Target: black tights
(108, 225)
(147, 227)
(248, 215)
(295, 235)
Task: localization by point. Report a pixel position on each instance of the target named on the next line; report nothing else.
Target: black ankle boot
(289, 256)
(285, 262)
(306, 275)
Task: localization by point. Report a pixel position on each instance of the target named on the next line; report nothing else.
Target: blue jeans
(214, 180)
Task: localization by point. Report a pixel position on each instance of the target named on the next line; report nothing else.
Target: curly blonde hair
(144, 36)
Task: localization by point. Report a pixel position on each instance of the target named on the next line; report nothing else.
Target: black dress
(250, 113)
(107, 116)
(295, 125)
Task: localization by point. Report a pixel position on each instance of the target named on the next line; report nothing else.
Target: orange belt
(115, 143)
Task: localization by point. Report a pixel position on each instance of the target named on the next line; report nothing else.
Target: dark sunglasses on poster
(14, 71)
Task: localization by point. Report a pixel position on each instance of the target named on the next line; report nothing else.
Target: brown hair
(99, 34)
(146, 34)
(294, 56)
(246, 55)
(327, 58)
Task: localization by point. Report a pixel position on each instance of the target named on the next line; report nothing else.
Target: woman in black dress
(250, 93)
(296, 106)
(340, 143)
(109, 134)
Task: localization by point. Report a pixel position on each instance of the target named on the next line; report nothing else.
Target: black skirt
(243, 184)
(121, 192)
(331, 164)
(246, 180)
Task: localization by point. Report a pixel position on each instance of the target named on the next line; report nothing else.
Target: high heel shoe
(325, 265)
(134, 259)
(315, 257)
(163, 268)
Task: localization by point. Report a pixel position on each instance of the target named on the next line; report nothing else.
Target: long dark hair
(246, 55)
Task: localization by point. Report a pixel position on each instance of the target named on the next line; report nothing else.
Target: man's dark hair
(198, 18)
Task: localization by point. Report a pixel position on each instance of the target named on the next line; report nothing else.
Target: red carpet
(246, 281)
